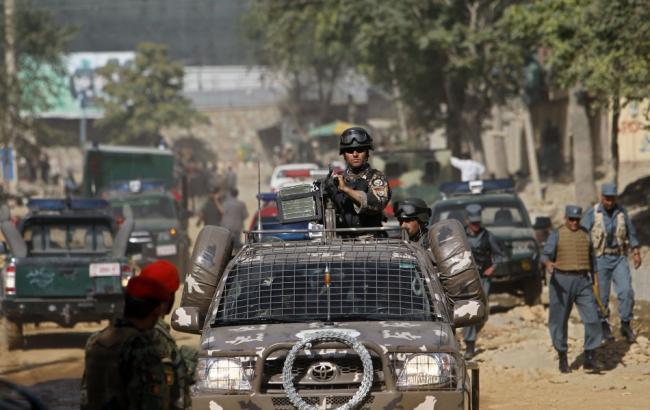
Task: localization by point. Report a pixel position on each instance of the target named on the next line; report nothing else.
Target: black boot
(627, 332)
(469, 350)
(590, 362)
(607, 333)
(564, 363)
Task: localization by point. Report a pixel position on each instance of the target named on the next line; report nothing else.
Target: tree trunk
(616, 113)
(453, 120)
(533, 168)
(583, 163)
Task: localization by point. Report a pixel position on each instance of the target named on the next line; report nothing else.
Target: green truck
(66, 264)
(144, 179)
(505, 215)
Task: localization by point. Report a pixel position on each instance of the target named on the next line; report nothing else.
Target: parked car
(506, 216)
(66, 264)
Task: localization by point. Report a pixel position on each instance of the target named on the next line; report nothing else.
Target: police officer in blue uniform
(487, 254)
(612, 236)
(361, 193)
(568, 258)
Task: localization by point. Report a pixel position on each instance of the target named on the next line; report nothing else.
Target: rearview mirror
(187, 319)
(469, 312)
(542, 222)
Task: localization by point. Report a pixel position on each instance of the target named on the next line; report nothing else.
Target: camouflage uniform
(123, 370)
(179, 362)
(377, 195)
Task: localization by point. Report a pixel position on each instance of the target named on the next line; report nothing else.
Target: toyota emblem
(323, 372)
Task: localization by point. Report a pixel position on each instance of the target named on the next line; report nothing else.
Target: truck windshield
(148, 207)
(68, 238)
(365, 287)
(505, 214)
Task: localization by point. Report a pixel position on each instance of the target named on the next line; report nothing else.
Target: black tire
(532, 291)
(14, 334)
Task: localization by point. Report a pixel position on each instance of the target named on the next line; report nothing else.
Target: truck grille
(325, 402)
(348, 374)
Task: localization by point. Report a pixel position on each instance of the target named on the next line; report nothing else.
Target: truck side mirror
(469, 312)
(542, 222)
(187, 319)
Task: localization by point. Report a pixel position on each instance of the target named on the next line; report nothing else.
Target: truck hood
(393, 336)
(155, 224)
(508, 233)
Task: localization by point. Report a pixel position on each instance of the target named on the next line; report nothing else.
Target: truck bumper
(64, 312)
(374, 401)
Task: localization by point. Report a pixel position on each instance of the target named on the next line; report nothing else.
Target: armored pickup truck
(66, 265)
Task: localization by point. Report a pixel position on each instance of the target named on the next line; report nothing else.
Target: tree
(307, 43)
(598, 49)
(38, 47)
(144, 97)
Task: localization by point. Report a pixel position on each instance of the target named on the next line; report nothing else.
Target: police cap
(609, 189)
(164, 272)
(573, 211)
(473, 212)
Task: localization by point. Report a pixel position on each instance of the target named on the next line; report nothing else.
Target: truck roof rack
(70, 204)
(449, 189)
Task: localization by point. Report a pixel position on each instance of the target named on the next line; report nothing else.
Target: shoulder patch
(378, 182)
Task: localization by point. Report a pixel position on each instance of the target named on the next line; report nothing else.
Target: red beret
(146, 288)
(164, 272)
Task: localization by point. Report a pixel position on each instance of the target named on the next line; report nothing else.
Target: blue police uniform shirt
(610, 225)
(549, 253)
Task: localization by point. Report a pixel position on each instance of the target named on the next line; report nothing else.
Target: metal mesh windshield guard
(288, 282)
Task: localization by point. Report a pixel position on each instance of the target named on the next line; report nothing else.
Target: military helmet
(413, 208)
(355, 137)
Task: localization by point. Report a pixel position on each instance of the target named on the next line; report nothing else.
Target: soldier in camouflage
(361, 193)
(179, 362)
(413, 215)
(123, 369)
(487, 254)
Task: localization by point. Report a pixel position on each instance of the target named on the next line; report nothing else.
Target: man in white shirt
(470, 170)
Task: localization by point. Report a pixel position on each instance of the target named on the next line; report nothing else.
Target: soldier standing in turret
(361, 193)
(612, 235)
(487, 254)
(568, 258)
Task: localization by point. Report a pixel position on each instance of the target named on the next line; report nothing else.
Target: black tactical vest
(347, 217)
(481, 250)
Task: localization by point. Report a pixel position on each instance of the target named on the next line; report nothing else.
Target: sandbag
(210, 256)
(121, 240)
(458, 272)
(14, 238)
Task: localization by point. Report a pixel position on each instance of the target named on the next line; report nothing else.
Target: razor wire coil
(328, 336)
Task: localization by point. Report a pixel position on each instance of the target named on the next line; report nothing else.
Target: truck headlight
(426, 370)
(231, 373)
(524, 246)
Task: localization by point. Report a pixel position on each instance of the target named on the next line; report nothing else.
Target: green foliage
(144, 97)
(39, 42)
(600, 45)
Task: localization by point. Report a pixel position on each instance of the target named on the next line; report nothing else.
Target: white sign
(104, 269)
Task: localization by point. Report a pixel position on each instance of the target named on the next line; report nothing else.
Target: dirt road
(518, 365)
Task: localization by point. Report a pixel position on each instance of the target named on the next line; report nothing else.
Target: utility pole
(10, 71)
(532, 155)
(399, 104)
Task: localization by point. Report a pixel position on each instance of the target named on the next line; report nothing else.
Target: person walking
(234, 215)
(179, 362)
(567, 256)
(122, 368)
(211, 212)
(487, 255)
(612, 236)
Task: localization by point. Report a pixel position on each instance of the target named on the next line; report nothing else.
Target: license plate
(104, 269)
(166, 250)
